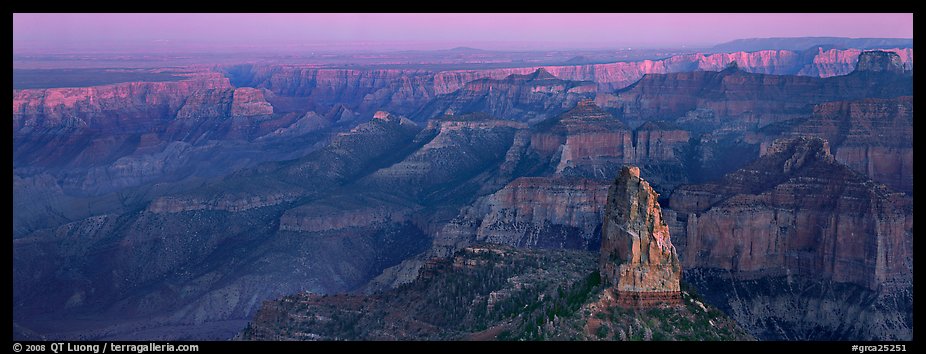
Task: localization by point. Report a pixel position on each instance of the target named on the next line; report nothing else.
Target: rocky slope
(540, 212)
(115, 147)
(796, 212)
(518, 295)
(327, 222)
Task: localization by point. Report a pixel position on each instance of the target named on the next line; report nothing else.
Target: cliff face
(532, 97)
(654, 142)
(797, 211)
(367, 91)
(397, 90)
(250, 102)
(736, 113)
(798, 217)
(614, 76)
(545, 212)
(752, 100)
(589, 142)
(834, 62)
(637, 255)
(585, 141)
(143, 103)
(93, 127)
(393, 90)
(871, 136)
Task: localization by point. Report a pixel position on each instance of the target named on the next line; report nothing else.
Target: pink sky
(102, 31)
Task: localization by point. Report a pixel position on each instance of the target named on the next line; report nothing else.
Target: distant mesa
(539, 74)
(466, 50)
(578, 60)
(802, 43)
(879, 61)
(637, 256)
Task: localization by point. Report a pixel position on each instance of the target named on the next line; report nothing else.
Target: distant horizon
(188, 33)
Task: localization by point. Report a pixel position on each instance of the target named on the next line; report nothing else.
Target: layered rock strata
(637, 255)
(797, 211)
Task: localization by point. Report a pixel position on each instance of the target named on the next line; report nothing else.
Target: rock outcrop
(733, 113)
(98, 106)
(637, 255)
(250, 102)
(797, 211)
(590, 142)
(872, 136)
(614, 76)
(545, 212)
(880, 61)
(530, 98)
(585, 141)
(777, 243)
(834, 62)
(736, 99)
(400, 91)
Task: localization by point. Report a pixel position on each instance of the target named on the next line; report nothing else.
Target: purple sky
(101, 32)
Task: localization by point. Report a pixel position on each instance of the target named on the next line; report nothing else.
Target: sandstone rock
(207, 104)
(658, 142)
(397, 90)
(528, 97)
(231, 203)
(879, 61)
(637, 255)
(546, 212)
(450, 150)
(585, 141)
(834, 62)
(797, 211)
(250, 102)
(871, 136)
(741, 100)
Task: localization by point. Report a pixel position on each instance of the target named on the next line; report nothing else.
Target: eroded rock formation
(637, 255)
(798, 246)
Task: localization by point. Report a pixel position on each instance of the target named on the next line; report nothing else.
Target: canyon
(174, 209)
